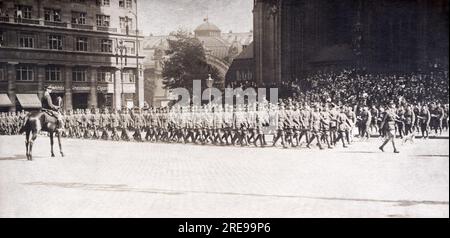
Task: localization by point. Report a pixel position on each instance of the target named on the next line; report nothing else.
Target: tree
(186, 62)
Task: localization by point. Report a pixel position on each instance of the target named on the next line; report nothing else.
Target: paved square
(117, 179)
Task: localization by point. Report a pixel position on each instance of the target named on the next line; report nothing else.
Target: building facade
(292, 37)
(88, 50)
(220, 49)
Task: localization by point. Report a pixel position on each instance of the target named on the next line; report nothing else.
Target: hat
(49, 87)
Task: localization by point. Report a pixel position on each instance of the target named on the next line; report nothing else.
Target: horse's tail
(25, 125)
(29, 123)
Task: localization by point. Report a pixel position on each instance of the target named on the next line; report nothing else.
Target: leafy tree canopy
(186, 62)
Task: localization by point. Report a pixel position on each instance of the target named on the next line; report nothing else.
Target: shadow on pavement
(16, 157)
(125, 188)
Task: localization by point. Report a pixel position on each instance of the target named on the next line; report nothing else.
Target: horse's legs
(59, 143)
(27, 142)
(51, 143)
(30, 144)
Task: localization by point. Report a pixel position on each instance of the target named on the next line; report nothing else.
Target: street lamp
(209, 84)
(121, 53)
(139, 97)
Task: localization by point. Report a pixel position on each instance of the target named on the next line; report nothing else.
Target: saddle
(53, 114)
(50, 113)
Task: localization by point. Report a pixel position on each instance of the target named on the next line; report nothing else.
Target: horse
(37, 121)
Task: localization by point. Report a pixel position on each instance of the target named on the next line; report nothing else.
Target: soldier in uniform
(352, 119)
(69, 132)
(261, 121)
(95, 123)
(139, 122)
(445, 121)
(424, 121)
(105, 124)
(381, 115)
(85, 124)
(152, 124)
(400, 121)
(251, 116)
(305, 115)
(79, 124)
(314, 124)
(365, 123)
(281, 119)
(343, 124)
(333, 127)
(289, 124)
(228, 124)
(389, 124)
(409, 119)
(124, 123)
(218, 125)
(327, 117)
(114, 119)
(2, 124)
(374, 118)
(189, 125)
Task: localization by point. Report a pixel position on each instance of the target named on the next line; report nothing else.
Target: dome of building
(207, 29)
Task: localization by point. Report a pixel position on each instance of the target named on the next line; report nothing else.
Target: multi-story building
(220, 49)
(88, 50)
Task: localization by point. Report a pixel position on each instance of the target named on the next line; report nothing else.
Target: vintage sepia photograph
(224, 109)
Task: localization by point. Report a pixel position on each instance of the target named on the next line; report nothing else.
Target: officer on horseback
(50, 108)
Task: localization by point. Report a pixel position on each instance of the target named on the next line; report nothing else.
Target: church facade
(293, 37)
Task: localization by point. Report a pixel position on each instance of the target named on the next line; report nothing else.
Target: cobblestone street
(117, 179)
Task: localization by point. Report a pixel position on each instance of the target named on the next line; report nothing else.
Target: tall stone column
(140, 87)
(40, 79)
(68, 88)
(93, 88)
(11, 76)
(117, 90)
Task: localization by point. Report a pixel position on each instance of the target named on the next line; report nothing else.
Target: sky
(160, 17)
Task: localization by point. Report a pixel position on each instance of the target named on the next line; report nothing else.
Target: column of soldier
(289, 124)
(11, 122)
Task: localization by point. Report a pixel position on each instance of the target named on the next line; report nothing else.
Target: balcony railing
(63, 25)
(82, 26)
(55, 23)
(129, 31)
(26, 21)
(105, 28)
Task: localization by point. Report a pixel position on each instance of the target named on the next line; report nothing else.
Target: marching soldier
(261, 120)
(374, 118)
(327, 117)
(343, 126)
(95, 123)
(389, 124)
(104, 124)
(218, 125)
(228, 124)
(124, 123)
(281, 119)
(114, 119)
(409, 119)
(424, 121)
(139, 122)
(315, 121)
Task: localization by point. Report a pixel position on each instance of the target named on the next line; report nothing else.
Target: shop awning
(5, 101)
(30, 101)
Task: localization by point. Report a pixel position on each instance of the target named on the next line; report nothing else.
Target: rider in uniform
(49, 107)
